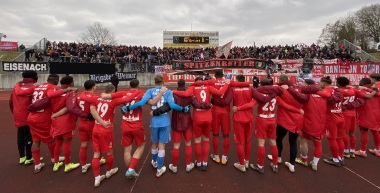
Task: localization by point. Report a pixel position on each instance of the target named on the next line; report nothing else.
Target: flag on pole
(225, 49)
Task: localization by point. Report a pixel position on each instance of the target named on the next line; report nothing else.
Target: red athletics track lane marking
(350, 170)
(140, 171)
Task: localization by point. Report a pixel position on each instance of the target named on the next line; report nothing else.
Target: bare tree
(97, 34)
(368, 18)
(342, 29)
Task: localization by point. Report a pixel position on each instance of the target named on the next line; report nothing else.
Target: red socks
(364, 139)
(51, 147)
(175, 155)
(134, 162)
(376, 138)
(109, 162)
(198, 151)
(57, 150)
(317, 149)
(247, 150)
(340, 147)
(67, 151)
(260, 155)
(96, 166)
(215, 144)
(353, 142)
(226, 145)
(274, 152)
(206, 150)
(345, 140)
(240, 153)
(188, 154)
(83, 155)
(36, 156)
(334, 147)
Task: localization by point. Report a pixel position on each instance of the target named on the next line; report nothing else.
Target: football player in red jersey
(315, 110)
(334, 123)
(375, 79)
(132, 128)
(103, 135)
(39, 118)
(181, 125)
(350, 96)
(63, 127)
(18, 105)
(220, 120)
(367, 119)
(265, 127)
(202, 119)
(86, 126)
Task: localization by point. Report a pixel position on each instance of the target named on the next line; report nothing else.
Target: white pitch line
(358, 175)
(140, 171)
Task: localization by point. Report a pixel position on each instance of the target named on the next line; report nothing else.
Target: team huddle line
(48, 114)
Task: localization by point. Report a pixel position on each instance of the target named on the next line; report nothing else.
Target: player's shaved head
(89, 84)
(134, 83)
(240, 78)
(53, 79)
(109, 88)
(265, 82)
(375, 76)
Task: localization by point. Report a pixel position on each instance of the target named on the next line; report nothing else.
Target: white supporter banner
(159, 69)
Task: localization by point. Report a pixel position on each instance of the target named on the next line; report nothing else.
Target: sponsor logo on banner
(224, 63)
(122, 76)
(159, 69)
(4, 45)
(23, 66)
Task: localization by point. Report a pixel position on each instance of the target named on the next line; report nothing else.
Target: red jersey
(133, 119)
(349, 96)
(334, 105)
(66, 122)
(219, 83)
(40, 92)
(315, 114)
(202, 93)
(292, 121)
(106, 107)
(19, 103)
(377, 85)
(243, 100)
(367, 113)
(85, 106)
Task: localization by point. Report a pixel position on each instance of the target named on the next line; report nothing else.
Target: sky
(263, 22)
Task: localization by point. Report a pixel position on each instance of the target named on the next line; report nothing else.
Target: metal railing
(355, 51)
(39, 46)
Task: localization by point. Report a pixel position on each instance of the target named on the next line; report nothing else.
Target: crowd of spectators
(122, 54)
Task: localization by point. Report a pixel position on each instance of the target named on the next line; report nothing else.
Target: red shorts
(137, 135)
(242, 132)
(66, 135)
(202, 127)
(308, 136)
(334, 129)
(102, 141)
(265, 129)
(177, 135)
(349, 124)
(221, 120)
(85, 131)
(40, 132)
